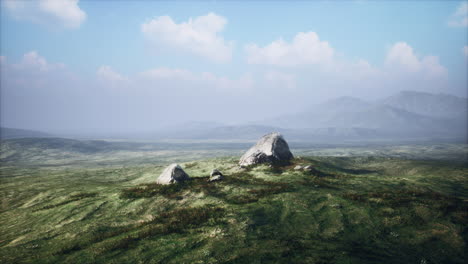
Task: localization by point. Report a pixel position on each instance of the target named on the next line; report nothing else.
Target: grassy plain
(98, 203)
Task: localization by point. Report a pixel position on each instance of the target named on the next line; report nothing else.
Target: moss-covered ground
(346, 210)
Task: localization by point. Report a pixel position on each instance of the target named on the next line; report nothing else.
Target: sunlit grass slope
(347, 210)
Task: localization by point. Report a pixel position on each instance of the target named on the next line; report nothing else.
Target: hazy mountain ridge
(436, 105)
(393, 117)
(405, 115)
(400, 116)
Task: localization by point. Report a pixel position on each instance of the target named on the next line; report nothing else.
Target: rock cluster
(172, 174)
(271, 148)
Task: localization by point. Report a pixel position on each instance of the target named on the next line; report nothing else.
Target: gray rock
(216, 175)
(172, 174)
(308, 168)
(215, 172)
(298, 167)
(215, 178)
(271, 148)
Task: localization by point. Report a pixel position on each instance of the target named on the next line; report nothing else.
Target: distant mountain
(435, 105)
(404, 115)
(382, 117)
(253, 132)
(7, 133)
(321, 115)
(344, 103)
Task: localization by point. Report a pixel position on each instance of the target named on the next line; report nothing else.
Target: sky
(131, 66)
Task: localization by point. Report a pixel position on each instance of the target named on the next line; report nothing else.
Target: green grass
(355, 209)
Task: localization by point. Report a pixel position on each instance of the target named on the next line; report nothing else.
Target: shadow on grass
(170, 222)
(251, 189)
(72, 198)
(447, 205)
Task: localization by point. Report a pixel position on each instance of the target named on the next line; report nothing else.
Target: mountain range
(407, 115)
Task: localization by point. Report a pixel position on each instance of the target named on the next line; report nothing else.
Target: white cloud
(65, 13)
(199, 36)
(401, 57)
(460, 17)
(33, 61)
(33, 70)
(431, 66)
(305, 48)
(107, 73)
(465, 51)
(401, 54)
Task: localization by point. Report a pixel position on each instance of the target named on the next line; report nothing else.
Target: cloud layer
(32, 61)
(65, 13)
(401, 57)
(460, 17)
(200, 36)
(305, 48)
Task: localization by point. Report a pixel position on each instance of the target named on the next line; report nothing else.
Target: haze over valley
(405, 116)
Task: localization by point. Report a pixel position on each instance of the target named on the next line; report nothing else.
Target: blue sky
(238, 51)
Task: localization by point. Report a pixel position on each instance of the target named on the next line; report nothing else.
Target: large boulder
(172, 174)
(271, 148)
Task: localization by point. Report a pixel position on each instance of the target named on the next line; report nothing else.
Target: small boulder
(298, 167)
(172, 174)
(271, 148)
(215, 175)
(308, 168)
